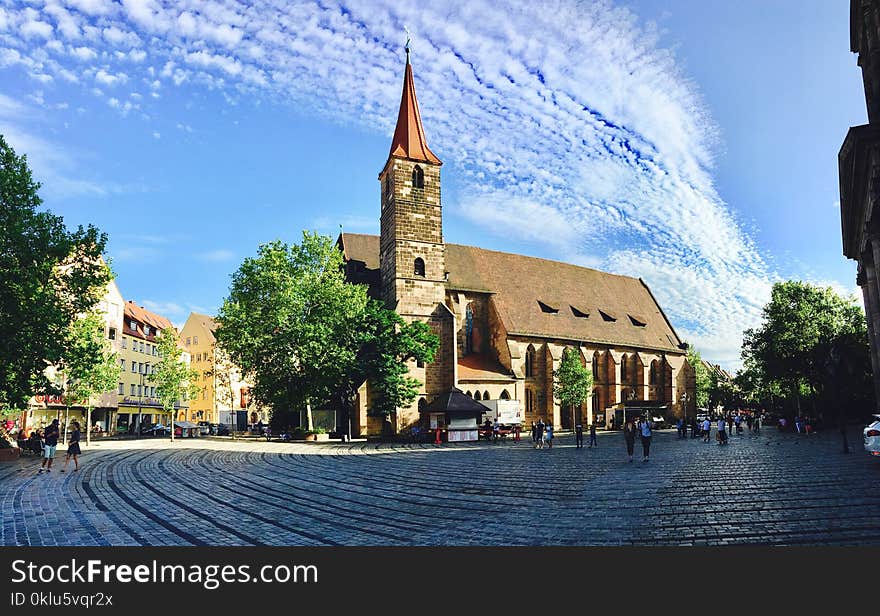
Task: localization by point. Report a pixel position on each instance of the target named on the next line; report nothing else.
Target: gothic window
(530, 361)
(595, 368)
(478, 396)
(419, 268)
(468, 330)
(468, 394)
(652, 377)
(485, 395)
(530, 401)
(623, 369)
(505, 395)
(418, 177)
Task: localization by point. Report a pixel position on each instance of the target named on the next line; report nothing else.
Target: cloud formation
(571, 127)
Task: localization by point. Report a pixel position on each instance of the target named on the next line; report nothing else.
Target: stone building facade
(859, 167)
(504, 320)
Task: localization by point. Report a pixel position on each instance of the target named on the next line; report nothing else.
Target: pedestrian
(722, 432)
(73, 448)
(678, 426)
(730, 424)
(707, 430)
(548, 435)
(738, 422)
(593, 441)
(629, 435)
(579, 436)
(749, 422)
(50, 436)
(539, 431)
(645, 433)
(757, 423)
(534, 433)
(516, 430)
(495, 430)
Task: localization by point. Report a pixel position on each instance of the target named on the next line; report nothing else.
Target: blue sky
(691, 143)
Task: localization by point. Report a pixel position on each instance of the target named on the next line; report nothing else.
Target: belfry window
(419, 267)
(418, 177)
(530, 361)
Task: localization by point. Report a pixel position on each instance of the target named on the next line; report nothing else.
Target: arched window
(485, 395)
(477, 396)
(530, 361)
(469, 394)
(419, 267)
(623, 369)
(652, 377)
(530, 401)
(418, 177)
(422, 404)
(505, 395)
(595, 367)
(468, 330)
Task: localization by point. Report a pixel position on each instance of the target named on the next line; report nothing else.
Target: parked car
(204, 427)
(220, 429)
(160, 430)
(872, 437)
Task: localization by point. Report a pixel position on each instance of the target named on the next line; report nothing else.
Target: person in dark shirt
(73, 449)
(50, 436)
(593, 441)
(579, 435)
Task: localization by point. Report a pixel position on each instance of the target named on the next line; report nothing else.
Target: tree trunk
(309, 423)
(89, 425)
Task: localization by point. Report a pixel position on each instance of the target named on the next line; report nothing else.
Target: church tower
(412, 256)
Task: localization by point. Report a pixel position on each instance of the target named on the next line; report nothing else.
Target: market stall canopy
(185, 424)
(456, 402)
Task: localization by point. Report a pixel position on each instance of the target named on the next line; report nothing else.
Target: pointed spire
(409, 135)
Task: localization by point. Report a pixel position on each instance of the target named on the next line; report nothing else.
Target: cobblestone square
(771, 488)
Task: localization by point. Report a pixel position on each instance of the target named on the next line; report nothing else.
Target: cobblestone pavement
(770, 488)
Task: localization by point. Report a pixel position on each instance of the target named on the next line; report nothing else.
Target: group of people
(49, 440)
(579, 435)
(542, 434)
(642, 427)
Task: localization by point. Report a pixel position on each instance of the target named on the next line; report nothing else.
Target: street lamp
(140, 397)
(684, 401)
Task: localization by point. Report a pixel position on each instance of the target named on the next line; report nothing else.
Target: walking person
(730, 424)
(534, 433)
(757, 423)
(73, 449)
(50, 436)
(707, 430)
(738, 422)
(722, 432)
(645, 433)
(593, 441)
(548, 435)
(579, 436)
(539, 431)
(629, 435)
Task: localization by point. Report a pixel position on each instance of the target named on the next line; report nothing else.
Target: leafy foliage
(174, 379)
(305, 335)
(787, 358)
(704, 380)
(48, 276)
(573, 382)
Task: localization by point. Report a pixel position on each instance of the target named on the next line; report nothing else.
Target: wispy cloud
(216, 256)
(568, 125)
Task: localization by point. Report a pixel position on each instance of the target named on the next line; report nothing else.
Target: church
(503, 319)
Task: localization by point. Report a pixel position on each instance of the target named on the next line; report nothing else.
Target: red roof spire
(409, 136)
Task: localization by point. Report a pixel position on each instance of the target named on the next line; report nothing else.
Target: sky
(690, 143)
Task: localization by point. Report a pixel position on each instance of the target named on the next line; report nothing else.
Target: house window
(134, 367)
(142, 347)
(418, 177)
(112, 333)
(133, 325)
(124, 342)
(121, 390)
(133, 390)
(140, 391)
(195, 339)
(419, 267)
(122, 364)
(188, 341)
(146, 330)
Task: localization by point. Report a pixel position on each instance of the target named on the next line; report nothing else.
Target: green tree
(572, 382)
(174, 379)
(90, 366)
(702, 376)
(48, 276)
(304, 335)
(789, 351)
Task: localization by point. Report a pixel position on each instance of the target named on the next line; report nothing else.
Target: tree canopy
(303, 334)
(175, 380)
(48, 276)
(703, 378)
(573, 382)
(787, 356)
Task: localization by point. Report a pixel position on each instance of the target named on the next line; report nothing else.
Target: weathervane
(408, 36)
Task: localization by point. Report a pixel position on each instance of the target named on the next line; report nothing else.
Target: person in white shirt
(645, 432)
(722, 431)
(707, 430)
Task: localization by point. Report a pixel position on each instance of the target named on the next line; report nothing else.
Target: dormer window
(579, 314)
(607, 317)
(418, 177)
(635, 321)
(419, 267)
(547, 308)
